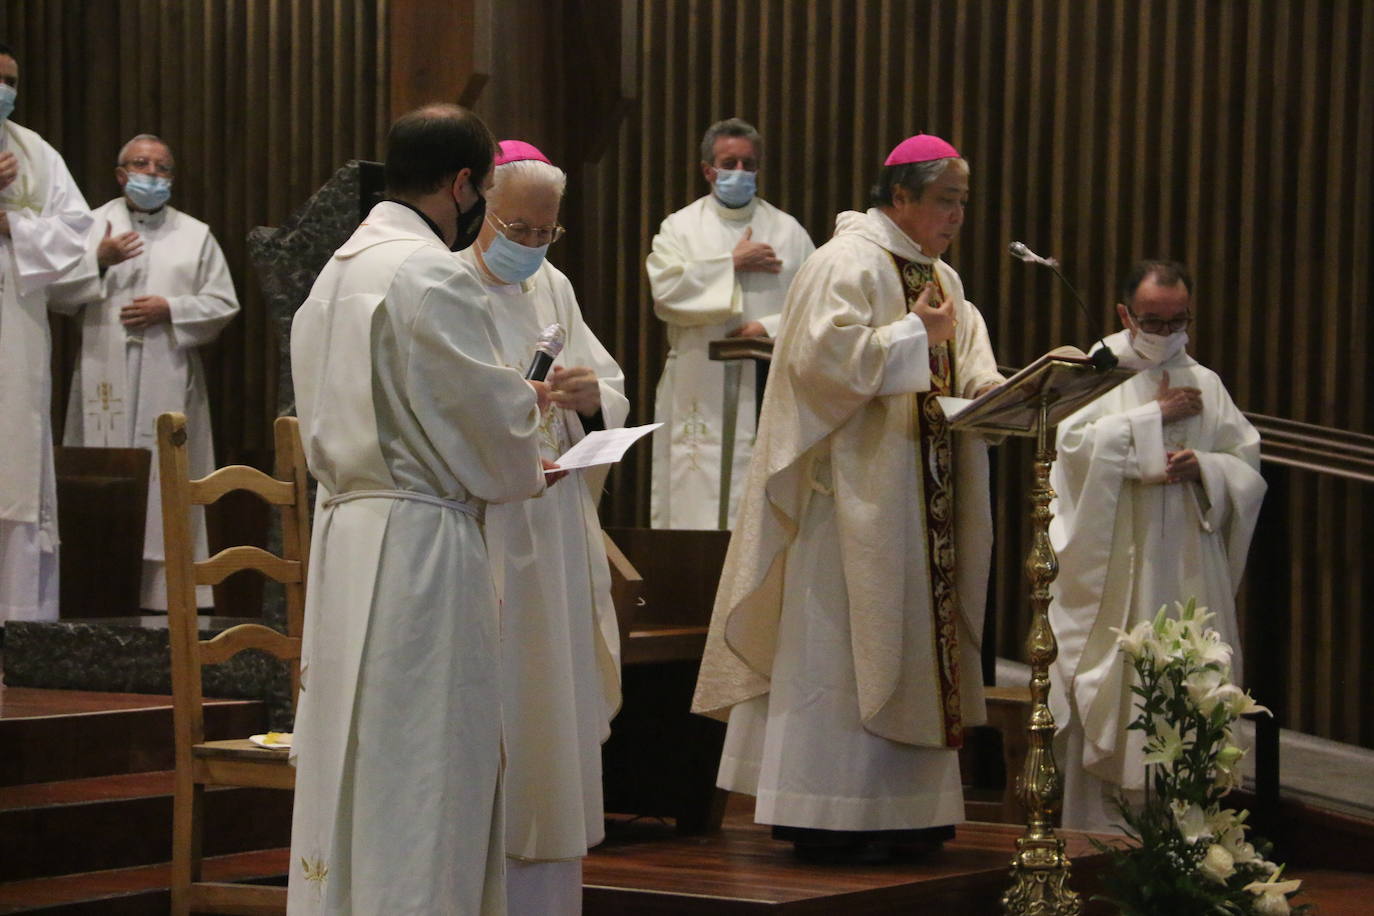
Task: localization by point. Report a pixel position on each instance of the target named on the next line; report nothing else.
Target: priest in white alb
(412, 425)
(1158, 491)
(560, 643)
(720, 267)
(844, 643)
(162, 291)
(43, 226)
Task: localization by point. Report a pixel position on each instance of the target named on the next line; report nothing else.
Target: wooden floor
(644, 868)
(137, 890)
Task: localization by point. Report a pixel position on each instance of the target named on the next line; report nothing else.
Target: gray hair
(124, 150)
(531, 170)
(730, 127)
(914, 176)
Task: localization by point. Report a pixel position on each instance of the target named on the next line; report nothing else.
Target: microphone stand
(1102, 358)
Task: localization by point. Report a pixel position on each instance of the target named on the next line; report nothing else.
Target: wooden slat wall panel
(261, 101)
(1235, 136)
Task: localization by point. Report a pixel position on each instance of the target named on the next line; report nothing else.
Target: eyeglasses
(144, 165)
(531, 236)
(1160, 325)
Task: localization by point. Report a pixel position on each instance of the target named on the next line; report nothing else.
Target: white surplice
(127, 377)
(701, 298)
(48, 221)
(411, 425)
(823, 650)
(560, 642)
(1130, 543)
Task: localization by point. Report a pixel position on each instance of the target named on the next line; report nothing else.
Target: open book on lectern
(1065, 374)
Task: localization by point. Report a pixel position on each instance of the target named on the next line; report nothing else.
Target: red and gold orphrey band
(935, 454)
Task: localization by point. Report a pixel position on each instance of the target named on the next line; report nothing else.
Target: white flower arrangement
(1189, 854)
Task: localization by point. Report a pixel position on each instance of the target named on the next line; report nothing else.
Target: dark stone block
(289, 257)
(131, 655)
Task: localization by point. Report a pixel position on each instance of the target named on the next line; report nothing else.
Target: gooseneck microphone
(546, 350)
(1102, 358)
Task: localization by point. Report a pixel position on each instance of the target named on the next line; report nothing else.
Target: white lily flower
(1133, 643)
(1220, 820)
(1202, 686)
(1191, 821)
(1212, 650)
(1244, 705)
(1166, 746)
(1229, 829)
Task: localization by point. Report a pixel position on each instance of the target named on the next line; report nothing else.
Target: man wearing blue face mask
(560, 643)
(159, 289)
(43, 226)
(1158, 489)
(720, 267)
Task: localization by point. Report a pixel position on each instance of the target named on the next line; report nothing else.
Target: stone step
(107, 822)
(140, 891)
(56, 735)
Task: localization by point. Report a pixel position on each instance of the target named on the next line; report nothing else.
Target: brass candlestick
(1040, 868)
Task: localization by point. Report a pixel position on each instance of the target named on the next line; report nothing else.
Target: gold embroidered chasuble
(915, 615)
(934, 453)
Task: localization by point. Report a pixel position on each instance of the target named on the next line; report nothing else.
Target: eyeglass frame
(1156, 325)
(556, 231)
(143, 163)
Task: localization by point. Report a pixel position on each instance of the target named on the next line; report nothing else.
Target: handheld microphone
(1102, 358)
(546, 350)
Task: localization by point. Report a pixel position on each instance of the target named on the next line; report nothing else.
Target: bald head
(146, 146)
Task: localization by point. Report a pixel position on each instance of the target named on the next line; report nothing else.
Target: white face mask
(1158, 348)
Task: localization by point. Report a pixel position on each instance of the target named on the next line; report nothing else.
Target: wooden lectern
(733, 351)
(660, 759)
(102, 507)
(1031, 403)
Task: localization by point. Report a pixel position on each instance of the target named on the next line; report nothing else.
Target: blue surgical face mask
(735, 188)
(510, 261)
(7, 96)
(147, 192)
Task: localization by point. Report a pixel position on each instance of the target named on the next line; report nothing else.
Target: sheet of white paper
(953, 406)
(606, 446)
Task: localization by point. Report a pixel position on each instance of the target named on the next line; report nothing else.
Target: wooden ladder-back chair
(239, 762)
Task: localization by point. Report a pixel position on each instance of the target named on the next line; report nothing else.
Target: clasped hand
(541, 397)
(576, 389)
(145, 311)
(1182, 465)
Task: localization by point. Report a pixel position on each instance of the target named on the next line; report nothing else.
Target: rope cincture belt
(476, 511)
